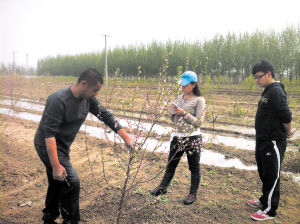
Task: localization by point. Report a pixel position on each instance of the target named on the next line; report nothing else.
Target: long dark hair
(196, 89)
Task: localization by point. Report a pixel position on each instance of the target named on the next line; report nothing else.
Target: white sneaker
(261, 216)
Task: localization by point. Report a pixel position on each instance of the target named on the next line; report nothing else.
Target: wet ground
(221, 154)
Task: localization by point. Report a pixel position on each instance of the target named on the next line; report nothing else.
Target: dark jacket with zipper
(271, 113)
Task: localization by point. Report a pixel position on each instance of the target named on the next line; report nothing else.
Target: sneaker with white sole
(254, 204)
(261, 216)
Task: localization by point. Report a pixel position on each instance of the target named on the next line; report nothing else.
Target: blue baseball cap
(187, 77)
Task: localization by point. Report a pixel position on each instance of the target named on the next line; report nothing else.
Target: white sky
(49, 27)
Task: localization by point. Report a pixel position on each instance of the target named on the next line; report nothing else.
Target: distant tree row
(8, 69)
(231, 55)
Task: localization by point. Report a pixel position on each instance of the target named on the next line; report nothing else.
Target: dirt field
(223, 192)
(221, 199)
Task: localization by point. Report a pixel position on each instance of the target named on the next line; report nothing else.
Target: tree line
(231, 55)
(8, 69)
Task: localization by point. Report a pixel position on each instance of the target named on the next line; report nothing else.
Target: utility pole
(27, 68)
(106, 68)
(14, 62)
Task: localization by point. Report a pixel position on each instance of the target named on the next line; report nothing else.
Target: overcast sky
(50, 27)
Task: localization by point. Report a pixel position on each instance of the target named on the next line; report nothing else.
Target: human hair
(263, 66)
(196, 89)
(91, 76)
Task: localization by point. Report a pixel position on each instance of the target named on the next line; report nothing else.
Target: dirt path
(221, 197)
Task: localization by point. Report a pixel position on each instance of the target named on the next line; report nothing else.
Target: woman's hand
(179, 111)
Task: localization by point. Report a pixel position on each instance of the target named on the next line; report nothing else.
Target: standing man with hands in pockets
(64, 113)
(273, 126)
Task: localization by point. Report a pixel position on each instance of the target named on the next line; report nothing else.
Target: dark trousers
(269, 156)
(60, 197)
(192, 146)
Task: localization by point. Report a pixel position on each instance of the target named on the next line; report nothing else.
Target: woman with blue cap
(187, 112)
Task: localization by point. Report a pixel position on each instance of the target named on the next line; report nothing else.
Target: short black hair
(263, 66)
(91, 76)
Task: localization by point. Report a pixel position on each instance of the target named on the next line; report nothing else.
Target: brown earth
(221, 198)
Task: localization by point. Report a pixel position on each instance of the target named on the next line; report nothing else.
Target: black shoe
(69, 222)
(190, 199)
(49, 222)
(49, 217)
(158, 190)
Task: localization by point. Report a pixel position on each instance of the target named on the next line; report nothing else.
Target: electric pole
(106, 68)
(27, 68)
(14, 62)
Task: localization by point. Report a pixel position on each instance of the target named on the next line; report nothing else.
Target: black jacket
(272, 111)
(63, 116)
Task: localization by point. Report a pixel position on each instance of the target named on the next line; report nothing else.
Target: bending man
(64, 113)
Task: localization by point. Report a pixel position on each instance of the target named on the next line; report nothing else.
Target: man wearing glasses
(273, 127)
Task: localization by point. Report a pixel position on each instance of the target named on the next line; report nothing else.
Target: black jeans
(269, 156)
(60, 197)
(192, 146)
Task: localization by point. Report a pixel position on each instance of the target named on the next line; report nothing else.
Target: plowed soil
(221, 199)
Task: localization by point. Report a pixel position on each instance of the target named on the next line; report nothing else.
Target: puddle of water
(207, 157)
(23, 115)
(295, 177)
(31, 76)
(134, 124)
(239, 129)
(158, 129)
(249, 131)
(211, 158)
(240, 143)
(25, 105)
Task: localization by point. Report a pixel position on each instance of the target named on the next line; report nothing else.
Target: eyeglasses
(260, 76)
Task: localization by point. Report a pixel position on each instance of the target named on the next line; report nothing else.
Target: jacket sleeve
(197, 120)
(53, 116)
(97, 109)
(280, 105)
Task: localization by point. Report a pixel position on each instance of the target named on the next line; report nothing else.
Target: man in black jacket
(64, 113)
(273, 126)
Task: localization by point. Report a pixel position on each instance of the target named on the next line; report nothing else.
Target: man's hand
(291, 133)
(129, 143)
(59, 173)
(127, 139)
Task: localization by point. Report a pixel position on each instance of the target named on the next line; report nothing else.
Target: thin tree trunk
(124, 190)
